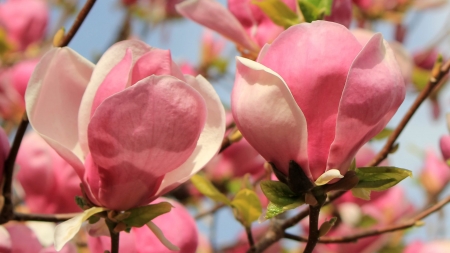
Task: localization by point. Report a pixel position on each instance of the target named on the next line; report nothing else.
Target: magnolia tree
(123, 155)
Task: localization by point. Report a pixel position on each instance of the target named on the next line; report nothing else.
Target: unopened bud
(326, 226)
(58, 37)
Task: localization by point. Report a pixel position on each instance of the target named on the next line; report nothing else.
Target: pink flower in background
(315, 96)
(426, 59)
(133, 127)
(19, 238)
(13, 83)
(24, 21)
(49, 182)
(177, 225)
(428, 247)
(341, 12)
(435, 174)
(444, 144)
(392, 206)
(243, 23)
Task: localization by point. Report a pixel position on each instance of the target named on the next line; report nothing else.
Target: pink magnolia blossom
(315, 96)
(13, 83)
(49, 182)
(19, 238)
(429, 247)
(178, 226)
(243, 22)
(341, 12)
(444, 143)
(435, 174)
(24, 21)
(133, 127)
(426, 59)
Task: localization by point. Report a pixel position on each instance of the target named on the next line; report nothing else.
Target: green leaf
(140, 216)
(208, 189)
(383, 134)
(278, 193)
(380, 178)
(246, 207)
(278, 12)
(366, 221)
(315, 9)
(361, 193)
(274, 210)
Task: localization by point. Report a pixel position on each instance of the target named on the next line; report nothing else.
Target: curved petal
(299, 55)
(373, 92)
(155, 62)
(210, 139)
(104, 66)
(116, 80)
(154, 132)
(53, 100)
(211, 14)
(268, 117)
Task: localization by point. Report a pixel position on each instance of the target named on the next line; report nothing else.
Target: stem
(78, 22)
(313, 237)
(7, 212)
(114, 236)
(42, 217)
(251, 242)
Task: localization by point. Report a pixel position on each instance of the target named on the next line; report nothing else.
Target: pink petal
(154, 131)
(314, 60)
(155, 62)
(23, 239)
(444, 143)
(211, 14)
(117, 80)
(53, 100)
(210, 139)
(373, 92)
(341, 12)
(109, 60)
(436, 172)
(268, 117)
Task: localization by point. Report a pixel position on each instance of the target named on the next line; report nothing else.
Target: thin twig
(42, 217)
(313, 237)
(114, 236)
(7, 212)
(251, 242)
(432, 83)
(77, 23)
(210, 211)
(387, 229)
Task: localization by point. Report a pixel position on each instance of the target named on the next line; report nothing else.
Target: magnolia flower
(435, 174)
(341, 12)
(444, 144)
(133, 127)
(315, 96)
(142, 240)
(243, 23)
(49, 182)
(24, 21)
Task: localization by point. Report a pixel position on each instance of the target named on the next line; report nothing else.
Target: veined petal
(53, 100)
(299, 55)
(154, 131)
(373, 92)
(116, 80)
(211, 14)
(268, 116)
(210, 139)
(155, 62)
(66, 230)
(109, 60)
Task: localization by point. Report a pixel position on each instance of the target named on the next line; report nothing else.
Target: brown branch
(78, 22)
(7, 212)
(251, 241)
(387, 229)
(434, 81)
(210, 211)
(313, 237)
(42, 217)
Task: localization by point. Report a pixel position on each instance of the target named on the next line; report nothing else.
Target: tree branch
(42, 217)
(434, 81)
